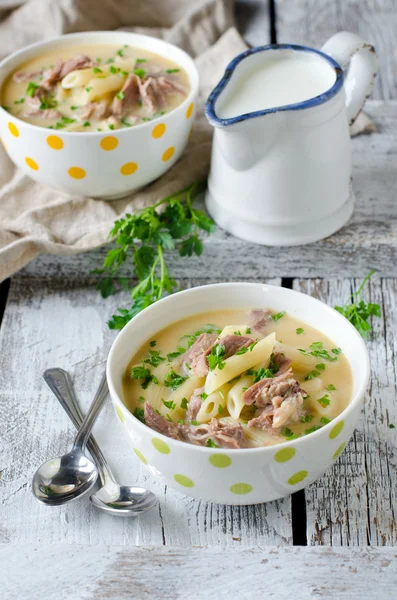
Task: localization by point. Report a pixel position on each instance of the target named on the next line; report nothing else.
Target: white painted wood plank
(117, 573)
(355, 502)
(64, 324)
(369, 240)
(312, 22)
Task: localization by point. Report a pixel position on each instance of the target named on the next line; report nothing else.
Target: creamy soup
(94, 88)
(284, 77)
(236, 379)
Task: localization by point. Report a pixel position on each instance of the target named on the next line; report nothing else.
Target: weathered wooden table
(336, 539)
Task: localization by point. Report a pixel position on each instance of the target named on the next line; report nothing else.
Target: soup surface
(285, 77)
(237, 379)
(94, 88)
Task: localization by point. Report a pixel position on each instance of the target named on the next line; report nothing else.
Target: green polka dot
(335, 431)
(339, 450)
(297, 477)
(241, 488)
(220, 460)
(161, 446)
(140, 456)
(284, 455)
(183, 480)
(119, 413)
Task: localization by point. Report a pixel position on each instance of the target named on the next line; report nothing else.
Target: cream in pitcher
(281, 157)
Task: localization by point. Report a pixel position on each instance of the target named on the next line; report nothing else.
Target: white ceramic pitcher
(282, 176)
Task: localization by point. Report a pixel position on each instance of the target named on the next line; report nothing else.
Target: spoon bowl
(64, 478)
(124, 501)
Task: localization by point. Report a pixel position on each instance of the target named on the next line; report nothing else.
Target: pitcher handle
(345, 48)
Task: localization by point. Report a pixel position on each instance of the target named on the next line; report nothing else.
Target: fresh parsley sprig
(357, 311)
(141, 239)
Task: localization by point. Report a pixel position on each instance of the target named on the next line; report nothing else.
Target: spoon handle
(61, 385)
(94, 410)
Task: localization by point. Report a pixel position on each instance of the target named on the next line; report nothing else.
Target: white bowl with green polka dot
(252, 475)
(108, 164)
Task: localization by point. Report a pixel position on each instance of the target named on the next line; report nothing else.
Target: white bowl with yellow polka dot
(252, 475)
(103, 165)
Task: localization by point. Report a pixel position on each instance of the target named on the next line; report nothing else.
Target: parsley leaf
(324, 401)
(139, 413)
(173, 380)
(32, 87)
(169, 404)
(172, 70)
(157, 232)
(215, 357)
(312, 375)
(154, 358)
(278, 316)
(325, 421)
(359, 312)
(211, 444)
(330, 388)
(184, 403)
(299, 331)
(140, 72)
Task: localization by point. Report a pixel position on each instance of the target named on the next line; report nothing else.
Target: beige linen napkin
(35, 219)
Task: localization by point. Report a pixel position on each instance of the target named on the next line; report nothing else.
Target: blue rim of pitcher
(213, 97)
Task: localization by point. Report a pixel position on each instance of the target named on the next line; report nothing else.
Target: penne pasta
(184, 391)
(214, 404)
(232, 329)
(97, 88)
(76, 79)
(301, 362)
(235, 402)
(237, 364)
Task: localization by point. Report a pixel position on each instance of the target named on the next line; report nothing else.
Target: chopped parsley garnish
(152, 343)
(179, 350)
(195, 423)
(73, 107)
(141, 60)
(192, 337)
(20, 101)
(120, 53)
(248, 330)
(325, 421)
(5, 107)
(120, 95)
(312, 429)
(139, 413)
(318, 351)
(32, 87)
(99, 129)
(237, 332)
(211, 444)
(286, 432)
(278, 316)
(324, 401)
(172, 70)
(110, 60)
(358, 312)
(140, 72)
(330, 388)
(125, 123)
(141, 372)
(169, 404)
(252, 346)
(306, 418)
(173, 380)
(215, 357)
(312, 375)
(63, 122)
(114, 70)
(154, 358)
(242, 350)
(88, 89)
(391, 426)
(220, 409)
(204, 396)
(141, 399)
(97, 70)
(111, 126)
(262, 373)
(299, 331)
(184, 403)
(320, 367)
(86, 124)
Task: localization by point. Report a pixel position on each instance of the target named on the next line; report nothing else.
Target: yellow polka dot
(335, 431)
(77, 173)
(55, 142)
(119, 413)
(339, 450)
(140, 456)
(284, 455)
(169, 153)
(189, 111)
(297, 477)
(32, 163)
(129, 168)
(159, 130)
(13, 129)
(221, 461)
(183, 480)
(109, 143)
(161, 446)
(241, 488)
